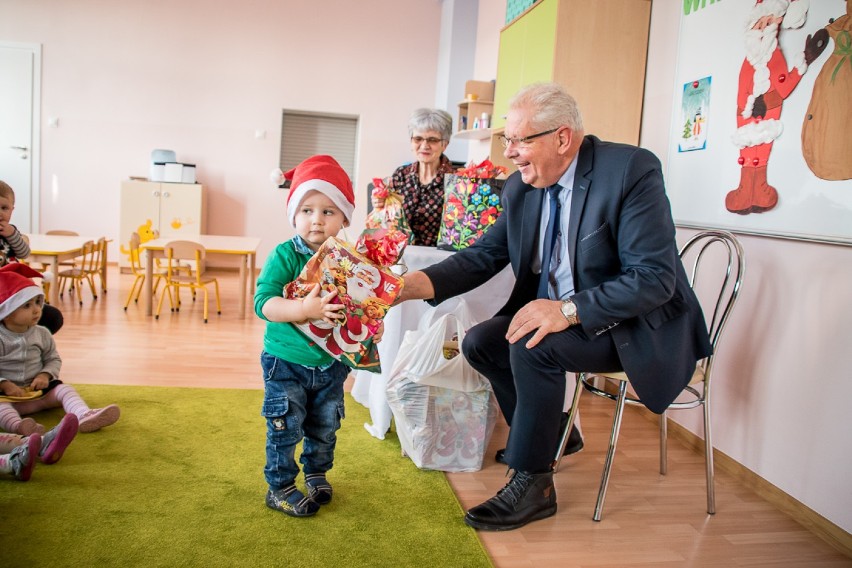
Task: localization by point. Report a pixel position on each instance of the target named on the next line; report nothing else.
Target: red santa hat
(323, 174)
(793, 12)
(16, 287)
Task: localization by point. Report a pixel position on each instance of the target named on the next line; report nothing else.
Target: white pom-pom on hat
(276, 176)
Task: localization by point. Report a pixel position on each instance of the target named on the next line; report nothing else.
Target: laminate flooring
(649, 520)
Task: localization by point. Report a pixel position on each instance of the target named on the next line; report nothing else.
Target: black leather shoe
(574, 445)
(526, 498)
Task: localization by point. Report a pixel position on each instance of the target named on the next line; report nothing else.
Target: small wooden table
(245, 247)
(53, 249)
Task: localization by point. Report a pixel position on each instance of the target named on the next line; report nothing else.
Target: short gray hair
(431, 119)
(551, 104)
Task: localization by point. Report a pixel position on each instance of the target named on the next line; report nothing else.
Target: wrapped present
(382, 246)
(471, 205)
(365, 289)
(392, 215)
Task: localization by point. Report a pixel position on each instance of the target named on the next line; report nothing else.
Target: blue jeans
(300, 403)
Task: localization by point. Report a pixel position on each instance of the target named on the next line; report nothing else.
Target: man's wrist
(569, 312)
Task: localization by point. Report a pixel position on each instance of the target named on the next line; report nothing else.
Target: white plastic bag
(445, 411)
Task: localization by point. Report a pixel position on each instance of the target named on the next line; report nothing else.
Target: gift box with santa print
(365, 289)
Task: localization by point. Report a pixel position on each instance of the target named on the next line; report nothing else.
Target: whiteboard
(710, 45)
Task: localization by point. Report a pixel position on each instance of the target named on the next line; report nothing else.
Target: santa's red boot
(765, 197)
(740, 200)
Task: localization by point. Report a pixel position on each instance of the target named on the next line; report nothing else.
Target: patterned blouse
(423, 204)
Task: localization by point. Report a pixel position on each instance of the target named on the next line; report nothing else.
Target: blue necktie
(549, 239)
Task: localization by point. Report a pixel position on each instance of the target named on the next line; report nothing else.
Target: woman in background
(421, 183)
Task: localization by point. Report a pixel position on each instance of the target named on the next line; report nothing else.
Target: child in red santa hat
(30, 364)
(303, 385)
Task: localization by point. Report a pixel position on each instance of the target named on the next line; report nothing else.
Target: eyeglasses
(418, 140)
(522, 142)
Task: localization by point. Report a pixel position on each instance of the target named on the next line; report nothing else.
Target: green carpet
(178, 481)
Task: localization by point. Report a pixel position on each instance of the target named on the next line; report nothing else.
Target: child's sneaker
(97, 418)
(291, 501)
(53, 443)
(24, 456)
(319, 489)
(28, 426)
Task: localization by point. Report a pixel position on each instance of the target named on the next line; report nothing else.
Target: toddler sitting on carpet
(29, 362)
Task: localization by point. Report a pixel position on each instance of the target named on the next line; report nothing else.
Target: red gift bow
(484, 170)
(382, 246)
(380, 188)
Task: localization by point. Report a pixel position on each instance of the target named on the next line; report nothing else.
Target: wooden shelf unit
(478, 99)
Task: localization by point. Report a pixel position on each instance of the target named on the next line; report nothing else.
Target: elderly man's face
(538, 160)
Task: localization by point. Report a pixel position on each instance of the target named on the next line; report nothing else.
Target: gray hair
(551, 105)
(431, 119)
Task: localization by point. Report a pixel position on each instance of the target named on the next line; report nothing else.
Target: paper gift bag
(367, 292)
(471, 205)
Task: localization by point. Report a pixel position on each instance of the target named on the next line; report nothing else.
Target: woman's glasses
(418, 140)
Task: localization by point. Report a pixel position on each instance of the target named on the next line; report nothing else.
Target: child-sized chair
(89, 265)
(176, 252)
(139, 273)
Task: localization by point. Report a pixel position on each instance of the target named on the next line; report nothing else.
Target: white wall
(200, 77)
(784, 371)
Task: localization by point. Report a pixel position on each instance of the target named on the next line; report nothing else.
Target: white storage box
(158, 171)
(188, 173)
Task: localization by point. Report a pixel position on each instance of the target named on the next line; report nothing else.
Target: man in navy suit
(613, 296)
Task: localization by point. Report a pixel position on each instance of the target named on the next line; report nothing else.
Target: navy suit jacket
(628, 278)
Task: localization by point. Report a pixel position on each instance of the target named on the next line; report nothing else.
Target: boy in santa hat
(29, 362)
(303, 385)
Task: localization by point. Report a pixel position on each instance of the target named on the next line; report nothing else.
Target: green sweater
(284, 340)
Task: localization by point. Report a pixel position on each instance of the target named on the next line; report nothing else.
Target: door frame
(35, 125)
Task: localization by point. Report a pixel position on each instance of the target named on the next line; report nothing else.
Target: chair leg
(160, 304)
(572, 414)
(664, 431)
(218, 302)
(610, 454)
(708, 461)
(133, 290)
(206, 301)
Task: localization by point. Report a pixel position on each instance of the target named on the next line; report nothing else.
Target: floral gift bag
(392, 215)
(471, 205)
(367, 291)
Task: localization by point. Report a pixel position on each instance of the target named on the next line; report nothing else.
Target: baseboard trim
(832, 534)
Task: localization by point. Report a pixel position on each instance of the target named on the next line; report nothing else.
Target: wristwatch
(569, 310)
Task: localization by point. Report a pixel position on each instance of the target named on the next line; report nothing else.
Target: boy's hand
(11, 389)
(40, 381)
(316, 308)
(6, 230)
(377, 337)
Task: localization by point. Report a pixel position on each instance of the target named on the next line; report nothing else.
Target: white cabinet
(169, 209)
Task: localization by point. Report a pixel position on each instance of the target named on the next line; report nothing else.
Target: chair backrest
(188, 251)
(707, 249)
(63, 232)
(90, 260)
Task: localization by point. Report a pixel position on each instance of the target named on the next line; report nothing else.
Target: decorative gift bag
(445, 411)
(392, 215)
(471, 205)
(367, 291)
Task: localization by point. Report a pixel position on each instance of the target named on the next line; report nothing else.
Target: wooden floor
(649, 520)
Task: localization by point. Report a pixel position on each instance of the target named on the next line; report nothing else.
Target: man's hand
(541, 316)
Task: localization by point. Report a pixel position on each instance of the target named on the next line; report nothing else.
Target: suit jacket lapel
(531, 220)
(582, 183)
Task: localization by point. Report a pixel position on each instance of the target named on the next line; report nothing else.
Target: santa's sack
(444, 410)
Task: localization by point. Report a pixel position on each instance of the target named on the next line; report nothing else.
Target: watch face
(569, 309)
